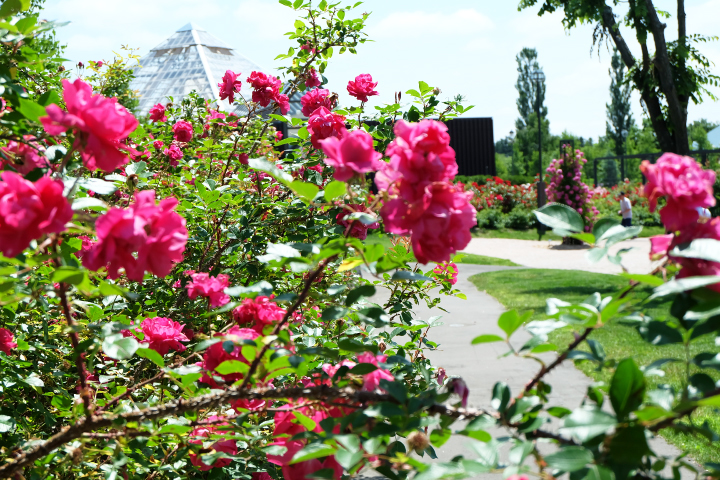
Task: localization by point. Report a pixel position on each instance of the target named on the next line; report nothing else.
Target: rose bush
(183, 299)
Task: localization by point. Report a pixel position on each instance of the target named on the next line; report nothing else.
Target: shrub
(520, 219)
(491, 219)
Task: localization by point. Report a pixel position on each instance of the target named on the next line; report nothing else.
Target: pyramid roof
(190, 59)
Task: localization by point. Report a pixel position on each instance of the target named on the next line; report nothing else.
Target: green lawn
(516, 234)
(527, 289)
(472, 259)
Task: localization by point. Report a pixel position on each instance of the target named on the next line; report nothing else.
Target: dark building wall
(473, 141)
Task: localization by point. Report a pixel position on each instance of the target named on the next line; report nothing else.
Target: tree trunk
(652, 103)
(667, 82)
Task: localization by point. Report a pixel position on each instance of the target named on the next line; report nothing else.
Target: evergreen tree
(528, 97)
(618, 110)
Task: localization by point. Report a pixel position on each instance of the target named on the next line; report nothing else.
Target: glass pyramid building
(192, 59)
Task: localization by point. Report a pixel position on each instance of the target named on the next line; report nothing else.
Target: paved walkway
(480, 365)
(550, 254)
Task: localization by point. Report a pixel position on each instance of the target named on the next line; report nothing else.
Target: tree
(618, 110)
(529, 95)
(667, 78)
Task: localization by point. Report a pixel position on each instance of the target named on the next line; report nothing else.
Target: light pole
(539, 78)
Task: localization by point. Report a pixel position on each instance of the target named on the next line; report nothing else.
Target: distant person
(625, 210)
(704, 215)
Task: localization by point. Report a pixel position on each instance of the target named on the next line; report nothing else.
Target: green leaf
(361, 291)
(486, 339)
(261, 288)
(684, 284)
(49, 97)
(30, 110)
(660, 333)
(556, 215)
(603, 225)
(584, 237)
(702, 248)
(136, 168)
(305, 421)
(175, 429)
(627, 388)
(570, 459)
(587, 423)
(89, 203)
(438, 437)
(151, 355)
(232, 366)
(333, 313)
(407, 275)
(306, 191)
(346, 459)
(363, 369)
(303, 133)
(118, 347)
(7, 423)
(629, 445)
(70, 275)
(312, 451)
(500, 396)
(334, 190)
(594, 255)
(101, 187)
(59, 402)
(34, 381)
(510, 321)
(12, 7)
(287, 3)
(651, 280)
(264, 166)
(596, 472)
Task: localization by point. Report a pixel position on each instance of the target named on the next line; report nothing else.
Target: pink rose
(158, 144)
(362, 88)
(358, 229)
(216, 354)
(659, 246)
(28, 210)
(142, 237)
(87, 243)
(331, 370)
(157, 113)
(351, 154)
(212, 287)
(448, 271)
(229, 86)
(685, 184)
(325, 124)
(312, 80)
(259, 311)
(224, 446)
(315, 99)
(283, 103)
(420, 152)
(162, 334)
(182, 131)
(100, 124)
(23, 157)
(6, 341)
(438, 217)
(174, 153)
(266, 88)
(459, 387)
(371, 381)
(243, 158)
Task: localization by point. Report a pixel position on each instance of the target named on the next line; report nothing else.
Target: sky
(463, 47)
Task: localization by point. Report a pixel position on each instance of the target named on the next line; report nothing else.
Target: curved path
(480, 365)
(550, 254)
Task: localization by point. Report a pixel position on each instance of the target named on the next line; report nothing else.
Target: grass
(472, 259)
(516, 234)
(527, 289)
